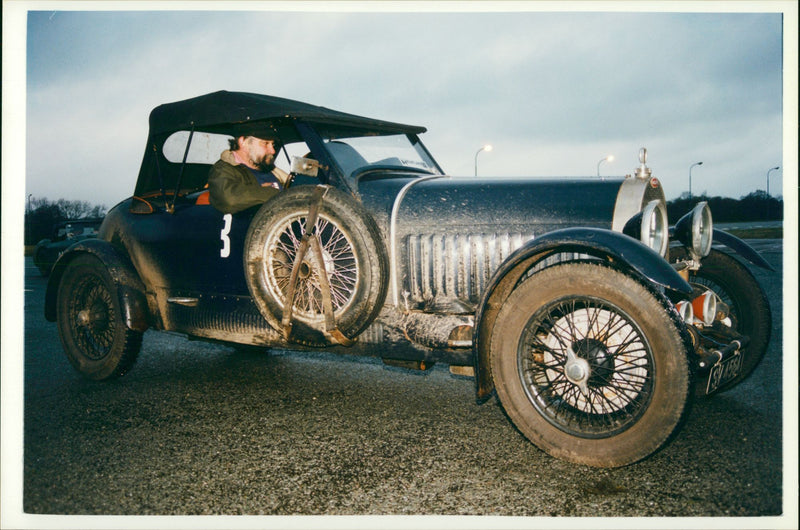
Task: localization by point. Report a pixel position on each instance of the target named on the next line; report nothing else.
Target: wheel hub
(577, 371)
(83, 317)
(309, 263)
(94, 317)
(305, 270)
(588, 364)
(599, 361)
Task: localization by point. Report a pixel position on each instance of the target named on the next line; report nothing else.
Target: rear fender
(626, 253)
(130, 289)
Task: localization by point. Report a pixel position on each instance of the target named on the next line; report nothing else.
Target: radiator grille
(456, 266)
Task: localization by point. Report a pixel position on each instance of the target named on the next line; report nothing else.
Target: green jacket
(233, 188)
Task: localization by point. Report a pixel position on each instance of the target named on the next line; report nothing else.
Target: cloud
(554, 92)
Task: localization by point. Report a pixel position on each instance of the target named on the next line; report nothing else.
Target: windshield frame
(356, 154)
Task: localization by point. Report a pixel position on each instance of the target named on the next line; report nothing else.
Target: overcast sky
(553, 92)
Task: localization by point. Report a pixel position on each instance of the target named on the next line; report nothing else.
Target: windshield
(360, 153)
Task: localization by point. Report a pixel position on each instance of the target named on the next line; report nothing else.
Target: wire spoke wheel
(91, 318)
(340, 264)
(589, 364)
(95, 338)
(586, 367)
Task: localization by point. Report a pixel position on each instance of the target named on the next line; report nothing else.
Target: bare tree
(74, 209)
(42, 214)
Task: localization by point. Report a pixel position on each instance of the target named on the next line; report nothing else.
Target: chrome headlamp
(650, 226)
(696, 230)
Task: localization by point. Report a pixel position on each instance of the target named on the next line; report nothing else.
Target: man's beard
(266, 164)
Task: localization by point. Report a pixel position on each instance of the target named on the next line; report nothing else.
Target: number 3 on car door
(225, 251)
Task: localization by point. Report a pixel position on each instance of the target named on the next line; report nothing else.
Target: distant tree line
(756, 206)
(41, 215)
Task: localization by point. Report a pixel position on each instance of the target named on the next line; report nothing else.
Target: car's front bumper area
(721, 364)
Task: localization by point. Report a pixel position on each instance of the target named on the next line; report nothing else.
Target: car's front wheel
(589, 365)
(95, 339)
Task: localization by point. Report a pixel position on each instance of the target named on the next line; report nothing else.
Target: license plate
(724, 371)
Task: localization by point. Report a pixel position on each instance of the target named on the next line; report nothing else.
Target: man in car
(245, 176)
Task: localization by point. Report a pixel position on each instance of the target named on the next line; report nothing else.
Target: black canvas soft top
(235, 114)
(231, 112)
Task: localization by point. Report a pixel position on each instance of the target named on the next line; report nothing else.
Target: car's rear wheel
(589, 365)
(750, 314)
(95, 339)
(353, 257)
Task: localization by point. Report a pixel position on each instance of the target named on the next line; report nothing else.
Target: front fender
(745, 250)
(130, 288)
(614, 246)
(619, 249)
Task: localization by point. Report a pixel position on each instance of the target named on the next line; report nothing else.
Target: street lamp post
(486, 147)
(690, 176)
(27, 227)
(768, 172)
(609, 158)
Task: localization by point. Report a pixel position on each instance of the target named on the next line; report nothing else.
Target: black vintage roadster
(565, 297)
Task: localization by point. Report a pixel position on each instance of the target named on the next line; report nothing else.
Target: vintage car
(65, 233)
(563, 296)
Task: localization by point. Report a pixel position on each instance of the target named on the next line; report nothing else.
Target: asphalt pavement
(202, 429)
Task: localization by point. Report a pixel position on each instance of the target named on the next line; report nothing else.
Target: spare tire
(354, 257)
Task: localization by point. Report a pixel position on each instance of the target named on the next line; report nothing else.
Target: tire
(749, 308)
(94, 337)
(635, 368)
(354, 258)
